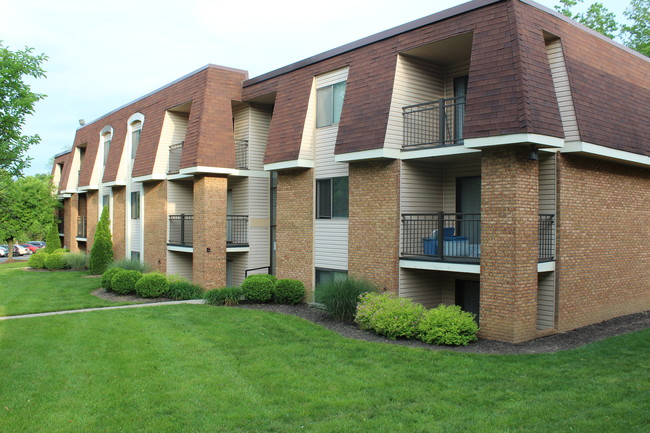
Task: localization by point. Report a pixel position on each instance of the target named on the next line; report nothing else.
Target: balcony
(175, 153)
(82, 226)
(181, 230)
(461, 241)
(434, 124)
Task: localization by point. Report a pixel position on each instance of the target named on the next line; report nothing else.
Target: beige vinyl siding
(325, 166)
(239, 187)
(258, 222)
(332, 77)
(416, 81)
(173, 131)
(469, 167)
(180, 198)
(452, 71)
(239, 264)
(421, 187)
(425, 287)
(546, 301)
(563, 90)
(260, 119)
(547, 182)
(179, 264)
(309, 128)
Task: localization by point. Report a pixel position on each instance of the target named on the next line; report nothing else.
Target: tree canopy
(17, 101)
(635, 33)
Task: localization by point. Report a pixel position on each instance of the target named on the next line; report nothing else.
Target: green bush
(259, 288)
(224, 296)
(76, 261)
(340, 297)
(55, 262)
(151, 285)
(131, 265)
(37, 261)
(107, 277)
(388, 315)
(183, 289)
(288, 291)
(101, 254)
(448, 325)
(124, 282)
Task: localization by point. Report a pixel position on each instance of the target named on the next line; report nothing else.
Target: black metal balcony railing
(81, 226)
(435, 123)
(237, 230)
(461, 239)
(175, 153)
(546, 237)
(462, 236)
(181, 229)
(241, 154)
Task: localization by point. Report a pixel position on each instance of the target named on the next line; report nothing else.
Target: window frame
(135, 205)
(327, 191)
(333, 104)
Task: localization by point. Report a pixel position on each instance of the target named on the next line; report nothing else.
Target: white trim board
(606, 152)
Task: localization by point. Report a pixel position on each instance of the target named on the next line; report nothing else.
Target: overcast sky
(104, 54)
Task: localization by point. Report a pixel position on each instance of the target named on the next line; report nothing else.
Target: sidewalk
(85, 310)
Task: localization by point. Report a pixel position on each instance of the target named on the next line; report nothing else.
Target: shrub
(76, 261)
(258, 288)
(340, 297)
(224, 296)
(183, 289)
(52, 240)
(108, 276)
(288, 291)
(55, 262)
(101, 254)
(131, 265)
(123, 282)
(151, 285)
(448, 325)
(37, 261)
(388, 315)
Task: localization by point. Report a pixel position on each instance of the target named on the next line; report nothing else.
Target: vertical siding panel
(425, 287)
(173, 131)
(179, 264)
(563, 90)
(546, 301)
(259, 133)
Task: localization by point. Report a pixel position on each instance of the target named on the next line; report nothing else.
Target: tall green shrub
(52, 240)
(101, 254)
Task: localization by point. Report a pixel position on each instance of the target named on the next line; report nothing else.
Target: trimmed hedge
(388, 315)
(448, 325)
(108, 276)
(224, 296)
(259, 288)
(288, 291)
(124, 282)
(151, 285)
(55, 262)
(37, 260)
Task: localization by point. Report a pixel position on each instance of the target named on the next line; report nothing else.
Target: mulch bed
(553, 343)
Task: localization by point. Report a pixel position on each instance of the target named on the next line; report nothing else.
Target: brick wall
(71, 211)
(155, 225)
(295, 227)
(509, 244)
(119, 222)
(603, 240)
(210, 195)
(375, 222)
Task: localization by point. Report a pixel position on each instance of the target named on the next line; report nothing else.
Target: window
(329, 103)
(327, 275)
(107, 147)
(106, 201)
(332, 197)
(135, 140)
(135, 205)
(135, 255)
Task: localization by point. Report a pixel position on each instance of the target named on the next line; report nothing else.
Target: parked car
(37, 244)
(17, 251)
(3, 251)
(21, 250)
(32, 248)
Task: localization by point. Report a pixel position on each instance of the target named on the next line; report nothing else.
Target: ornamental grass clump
(181, 290)
(76, 261)
(226, 296)
(340, 297)
(131, 265)
(448, 325)
(389, 315)
(288, 291)
(151, 285)
(259, 288)
(124, 282)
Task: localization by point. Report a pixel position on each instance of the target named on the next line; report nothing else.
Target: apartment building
(495, 155)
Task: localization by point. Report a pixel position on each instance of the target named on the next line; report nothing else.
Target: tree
(637, 34)
(597, 17)
(16, 102)
(26, 208)
(101, 254)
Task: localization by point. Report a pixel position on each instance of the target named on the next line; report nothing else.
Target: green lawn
(26, 292)
(198, 368)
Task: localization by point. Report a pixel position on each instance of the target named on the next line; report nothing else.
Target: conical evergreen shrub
(52, 241)
(101, 254)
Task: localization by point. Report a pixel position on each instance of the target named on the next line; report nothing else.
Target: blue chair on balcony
(431, 243)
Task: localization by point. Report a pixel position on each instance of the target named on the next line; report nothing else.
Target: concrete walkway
(85, 310)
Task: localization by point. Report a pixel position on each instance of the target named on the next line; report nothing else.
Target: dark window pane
(338, 96)
(135, 205)
(324, 198)
(340, 197)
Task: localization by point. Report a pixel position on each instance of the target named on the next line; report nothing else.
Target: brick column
(295, 227)
(119, 222)
(375, 223)
(509, 244)
(155, 225)
(71, 212)
(210, 198)
(92, 217)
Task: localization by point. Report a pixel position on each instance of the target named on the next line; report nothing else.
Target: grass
(198, 368)
(26, 292)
